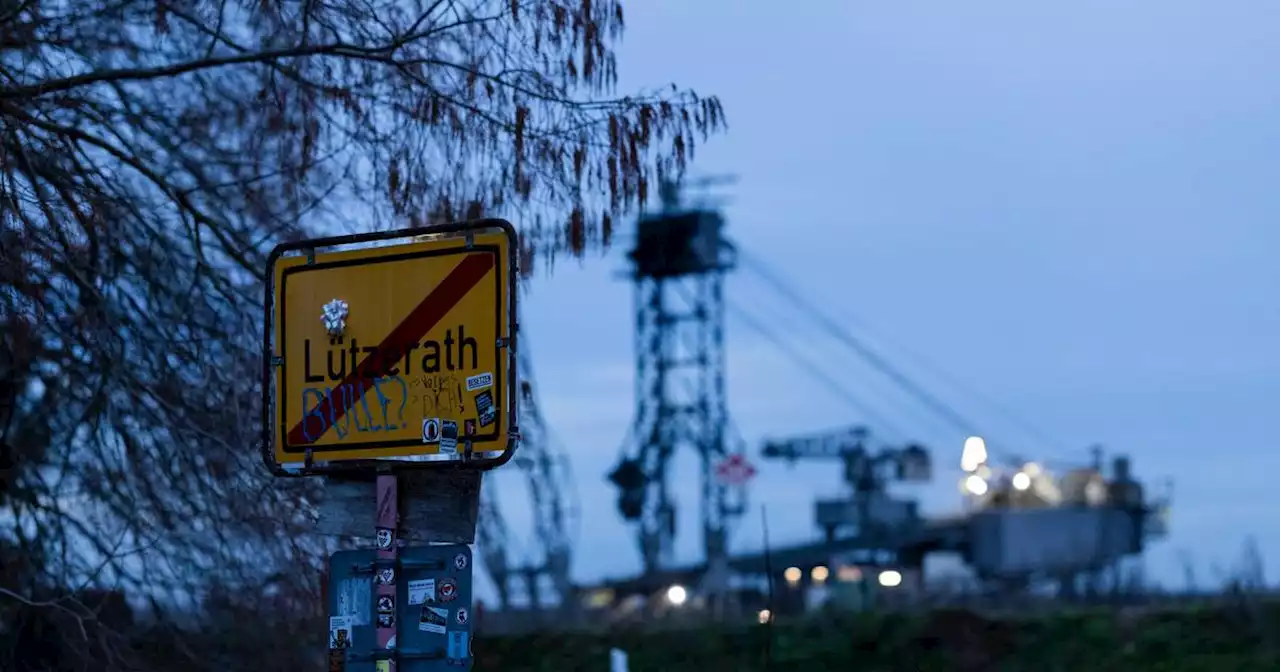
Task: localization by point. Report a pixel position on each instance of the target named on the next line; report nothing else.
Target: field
(1239, 636)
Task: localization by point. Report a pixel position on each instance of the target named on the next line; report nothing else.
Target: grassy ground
(1238, 638)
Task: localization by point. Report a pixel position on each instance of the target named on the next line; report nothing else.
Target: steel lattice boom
(548, 478)
(678, 268)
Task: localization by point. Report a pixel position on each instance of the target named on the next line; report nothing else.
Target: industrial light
(975, 486)
(764, 616)
(974, 454)
(890, 578)
(819, 573)
(1021, 481)
(677, 595)
(792, 575)
(849, 573)
(1032, 469)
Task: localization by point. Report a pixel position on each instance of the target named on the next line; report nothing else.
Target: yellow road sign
(395, 352)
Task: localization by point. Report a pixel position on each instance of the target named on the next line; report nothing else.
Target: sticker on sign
(377, 351)
(422, 590)
(479, 382)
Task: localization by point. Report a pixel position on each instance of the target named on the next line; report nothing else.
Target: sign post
(389, 368)
(385, 538)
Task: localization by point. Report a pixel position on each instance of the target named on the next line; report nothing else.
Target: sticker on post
(460, 561)
(459, 647)
(484, 408)
(421, 591)
(434, 620)
(355, 600)
(448, 590)
(448, 436)
(461, 616)
(431, 430)
(339, 632)
(479, 381)
(386, 604)
(469, 427)
(386, 576)
(382, 666)
(386, 620)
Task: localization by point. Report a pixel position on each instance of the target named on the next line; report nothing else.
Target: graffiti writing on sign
(439, 394)
(359, 413)
(385, 382)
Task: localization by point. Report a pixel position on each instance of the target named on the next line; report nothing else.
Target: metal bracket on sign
(467, 451)
(311, 256)
(277, 361)
(504, 342)
(471, 240)
(309, 458)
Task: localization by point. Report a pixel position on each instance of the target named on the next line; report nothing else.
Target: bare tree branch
(151, 153)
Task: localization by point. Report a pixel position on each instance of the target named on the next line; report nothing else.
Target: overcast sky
(1068, 207)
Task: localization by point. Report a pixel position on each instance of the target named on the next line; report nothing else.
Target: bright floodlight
(1021, 481)
(974, 454)
(975, 486)
(792, 575)
(819, 574)
(890, 578)
(676, 595)
(764, 616)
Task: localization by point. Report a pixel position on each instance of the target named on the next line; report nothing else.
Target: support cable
(810, 367)
(754, 265)
(940, 408)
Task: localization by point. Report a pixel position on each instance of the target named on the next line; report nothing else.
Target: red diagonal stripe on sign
(466, 275)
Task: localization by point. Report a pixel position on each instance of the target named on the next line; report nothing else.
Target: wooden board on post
(435, 506)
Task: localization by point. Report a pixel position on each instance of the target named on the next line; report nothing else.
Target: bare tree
(151, 151)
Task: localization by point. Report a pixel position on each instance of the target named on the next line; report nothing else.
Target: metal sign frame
(271, 361)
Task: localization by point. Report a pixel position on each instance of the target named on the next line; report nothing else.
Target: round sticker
(383, 538)
(448, 590)
(460, 561)
(431, 430)
(461, 616)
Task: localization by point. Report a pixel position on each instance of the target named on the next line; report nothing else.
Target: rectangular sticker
(421, 591)
(484, 408)
(339, 632)
(479, 381)
(449, 436)
(355, 600)
(433, 620)
(458, 649)
(383, 666)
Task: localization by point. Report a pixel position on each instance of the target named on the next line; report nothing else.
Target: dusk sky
(1067, 207)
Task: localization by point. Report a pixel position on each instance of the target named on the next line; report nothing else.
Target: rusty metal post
(388, 538)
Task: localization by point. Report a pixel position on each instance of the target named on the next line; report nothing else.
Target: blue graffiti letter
(383, 401)
(364, 401)
(315, 412)
(353, 405)
(333, 413)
